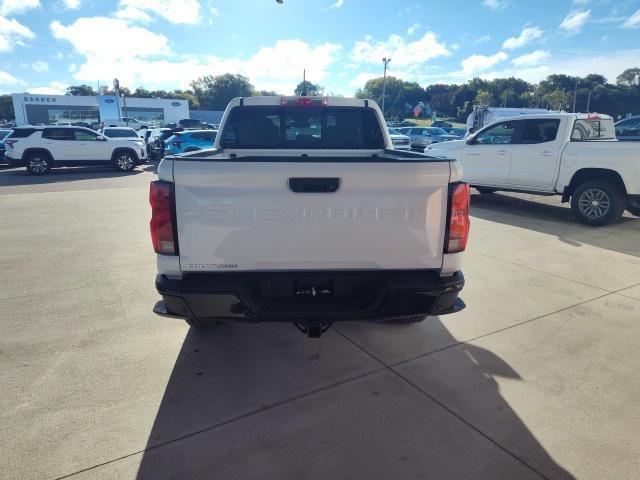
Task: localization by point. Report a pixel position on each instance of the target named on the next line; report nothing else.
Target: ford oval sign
(108, 100)
(175, 104)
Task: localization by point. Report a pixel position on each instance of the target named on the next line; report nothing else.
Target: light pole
(575, 93)
(384, 82)
(589, 101)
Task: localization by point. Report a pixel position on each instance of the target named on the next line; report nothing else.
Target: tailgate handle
(314, 185)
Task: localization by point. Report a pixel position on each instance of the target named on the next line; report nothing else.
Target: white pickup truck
(303, 212)
(570, 154)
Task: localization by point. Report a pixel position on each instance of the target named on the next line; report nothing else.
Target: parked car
(41, 148)
(156, 141)
(441, 124)
(190, 123)
(4, 133)
(277, 226)
(574, 155)
(423, 136)
(120, 132)
(125, 122)
(628, 129)
(399, 140)
(456, 132)
(189, 141)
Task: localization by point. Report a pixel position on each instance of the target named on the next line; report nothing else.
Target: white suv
(41, 148)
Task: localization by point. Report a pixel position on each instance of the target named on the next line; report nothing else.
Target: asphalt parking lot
(537, 378)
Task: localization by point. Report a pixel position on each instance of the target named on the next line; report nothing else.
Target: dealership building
(44, 109)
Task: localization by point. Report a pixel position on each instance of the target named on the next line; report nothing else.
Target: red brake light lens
(305, 101)
(458, 228)
(162, 231)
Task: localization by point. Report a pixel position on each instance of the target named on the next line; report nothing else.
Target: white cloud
(495, 4)
(527, 35)
(71, 4)
(402, 53)
(12, 33)
(6, 79)
(54, 88)
(482, 39)
(362, 78)
(13, 7)
(574, 21)
(337, 4)
(277, 67)
(122, 37)
(610, 65)
(532, 59)
(40, 66)
(478, 63)
(413, 29)
(174, 11)
(214, 11)
(633, 21)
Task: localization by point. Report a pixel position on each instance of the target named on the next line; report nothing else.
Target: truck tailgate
(245, 215)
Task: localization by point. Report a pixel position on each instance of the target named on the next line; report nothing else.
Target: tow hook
(313, 328)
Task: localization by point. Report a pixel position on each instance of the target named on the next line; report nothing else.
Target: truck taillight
(304, 101)
(162, 218)
(457, 218)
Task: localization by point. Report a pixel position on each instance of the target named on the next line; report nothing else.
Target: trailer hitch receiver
(313, 328)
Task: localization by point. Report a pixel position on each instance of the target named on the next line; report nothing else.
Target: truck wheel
(485, 190)
(38, 163)
(201, 322)
(597, 203)
(409, 319)
(633, 207)
(124, 161)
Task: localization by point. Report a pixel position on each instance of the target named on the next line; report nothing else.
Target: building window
(152, 116)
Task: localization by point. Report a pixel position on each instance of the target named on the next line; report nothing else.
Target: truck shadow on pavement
(621, 236)
(261, 401)
(20, 177)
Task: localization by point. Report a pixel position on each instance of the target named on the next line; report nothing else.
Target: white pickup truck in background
(304, 213)
(570, 154)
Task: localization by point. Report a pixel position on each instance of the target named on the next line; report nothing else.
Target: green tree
(395, 103)
(215, 92)
(629, 78)
(556, 100)
(80, 90)
(307, 88)
(267, 93)
(6, 107)
(483, 99)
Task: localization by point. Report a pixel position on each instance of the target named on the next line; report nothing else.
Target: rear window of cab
(275, 127)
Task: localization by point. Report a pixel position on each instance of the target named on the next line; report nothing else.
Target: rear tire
(485, 190)
(201, 323)
(597, 203)
(633, 207)
(124, 161)
(38, 163)
(409, 319)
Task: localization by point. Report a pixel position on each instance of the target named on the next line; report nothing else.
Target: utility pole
(575, 94)
(589, 102)
(384, 82)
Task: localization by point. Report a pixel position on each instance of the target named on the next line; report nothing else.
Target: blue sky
(46, 45)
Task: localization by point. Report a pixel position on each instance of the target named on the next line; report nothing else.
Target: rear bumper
(290, 296)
